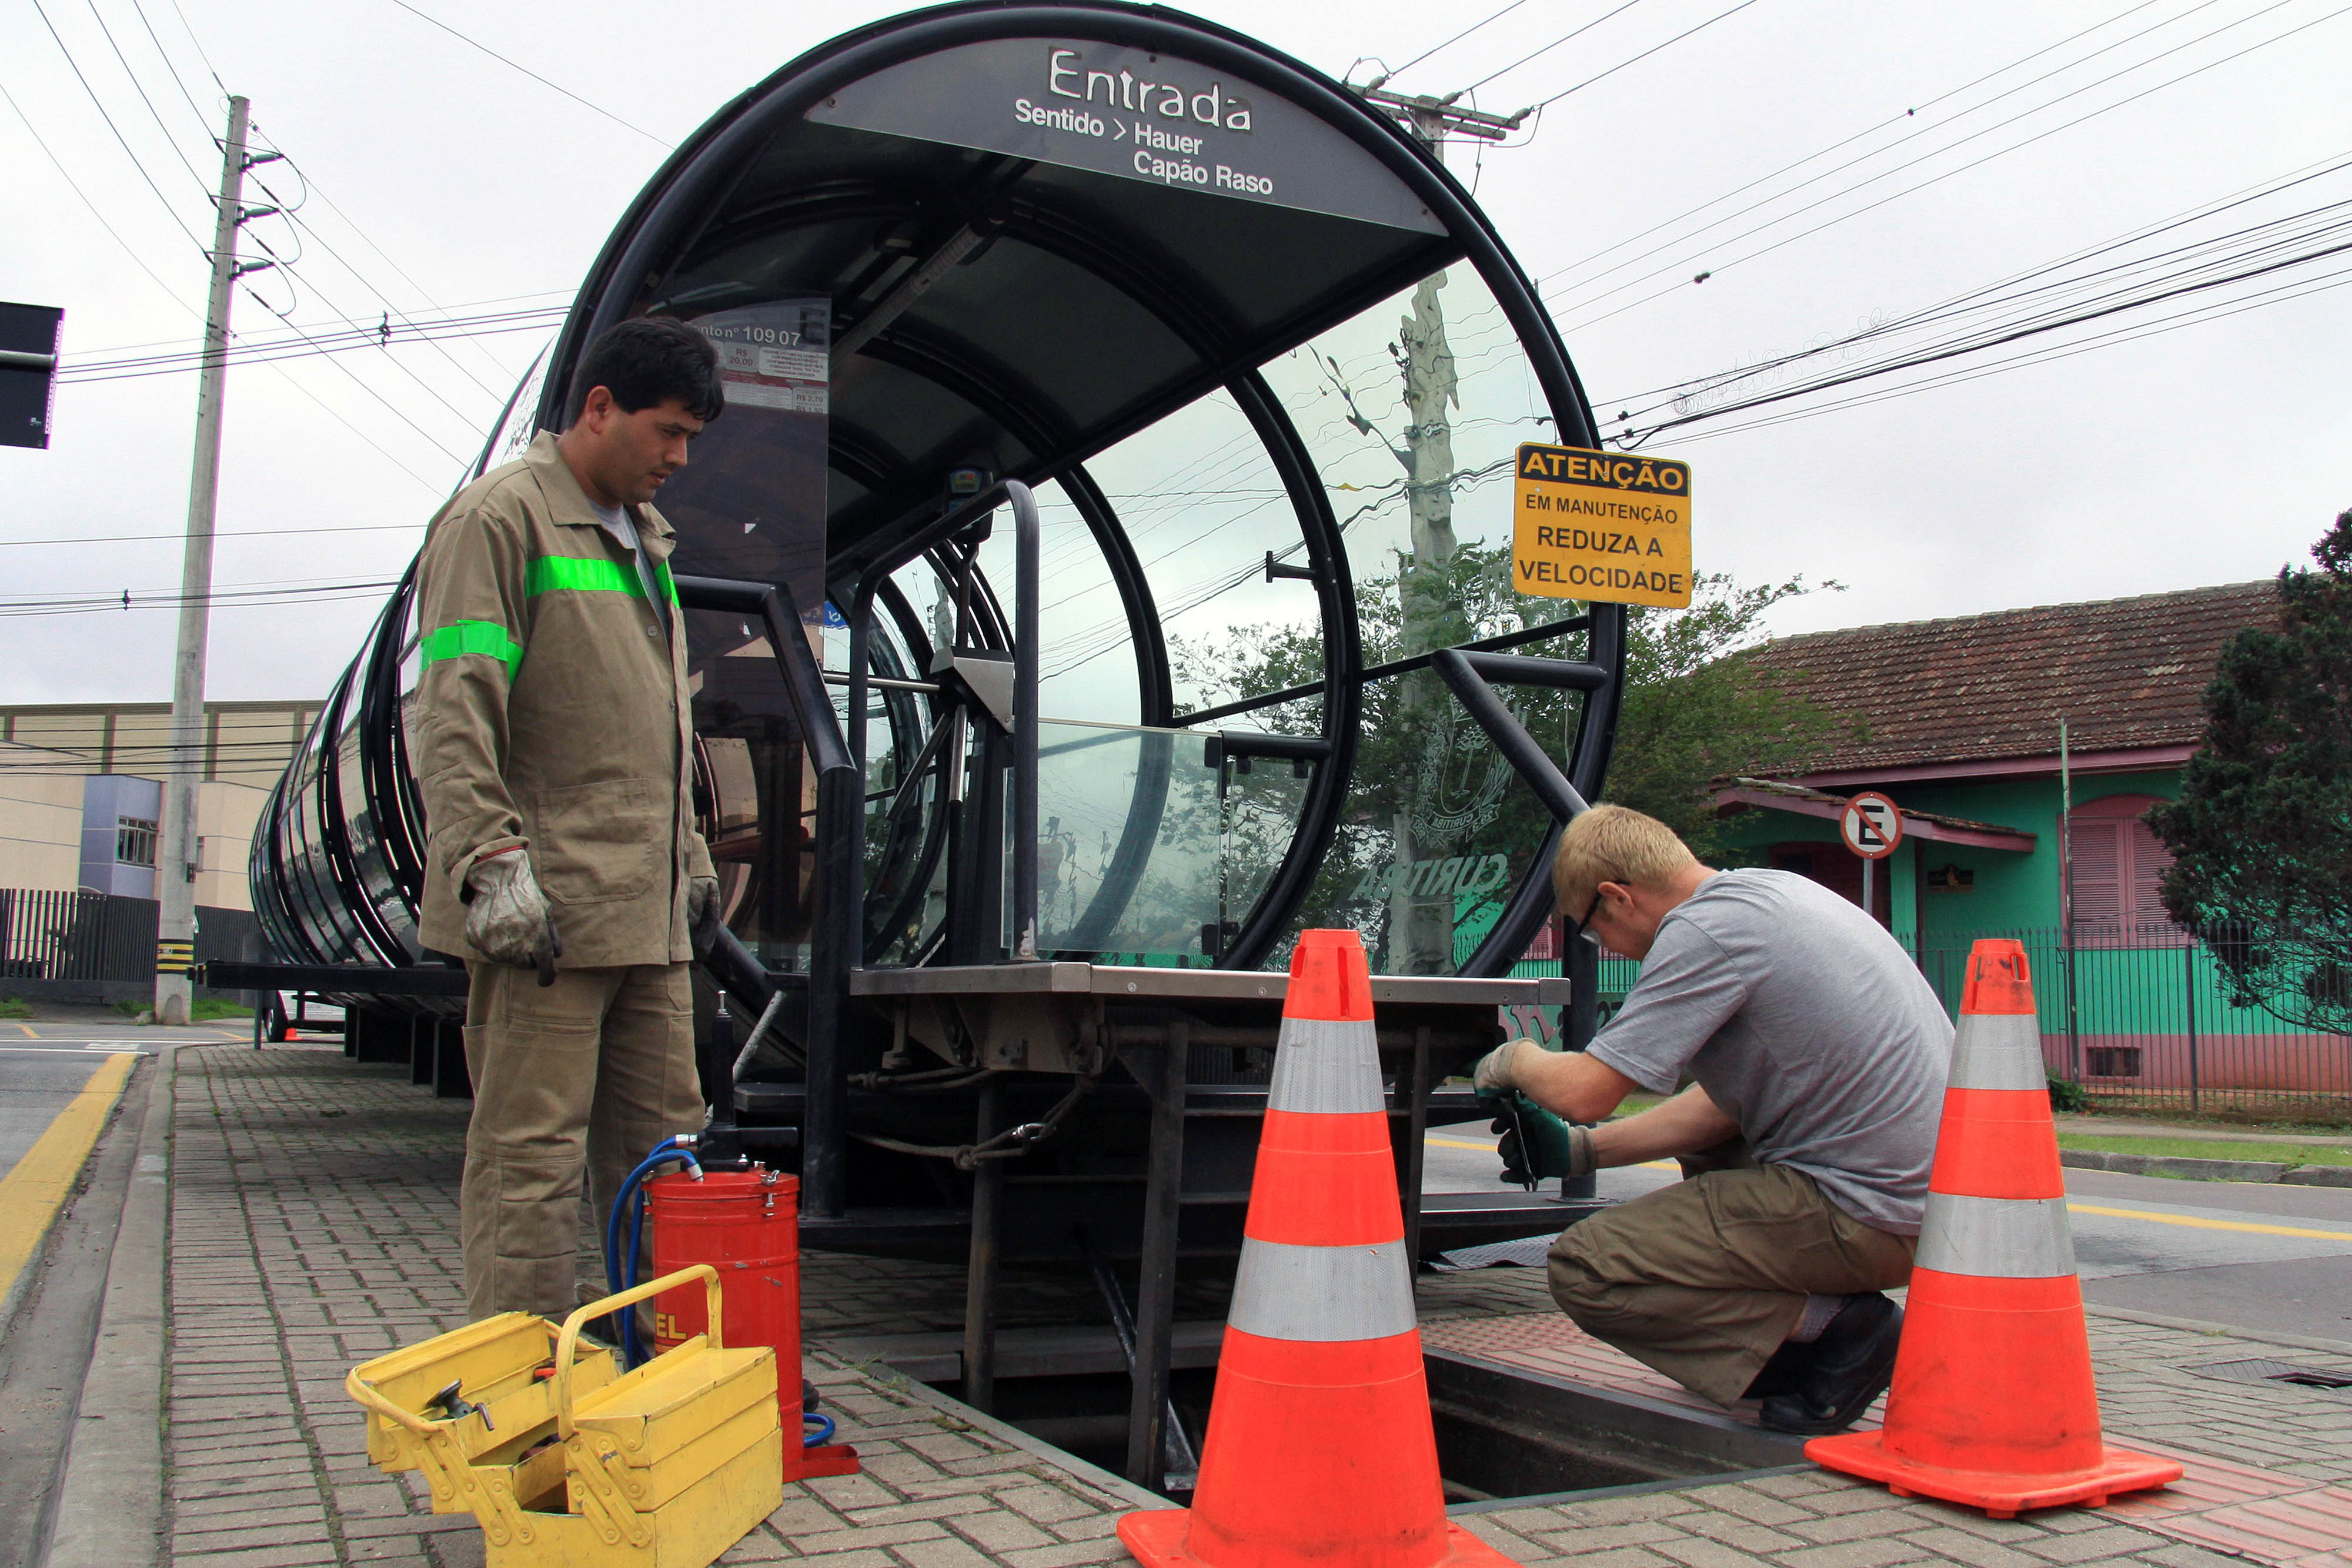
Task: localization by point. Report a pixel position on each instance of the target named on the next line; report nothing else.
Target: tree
(2262, 835)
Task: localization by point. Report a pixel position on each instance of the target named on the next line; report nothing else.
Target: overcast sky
(2211, 453)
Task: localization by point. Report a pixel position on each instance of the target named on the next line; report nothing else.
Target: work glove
(702, 914)
(1492, 1076)
(1538, 1145)
(506, 914)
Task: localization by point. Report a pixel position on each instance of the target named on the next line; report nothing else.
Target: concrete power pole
(175, 856)
(1420, 927)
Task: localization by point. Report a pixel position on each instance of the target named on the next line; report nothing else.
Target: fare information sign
(1610, 526)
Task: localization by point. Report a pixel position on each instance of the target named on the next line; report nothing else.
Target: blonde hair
(1614, 843)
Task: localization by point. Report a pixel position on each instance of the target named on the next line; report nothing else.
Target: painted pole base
(826, 1460)
(1157, 1539)
(2000, 1496)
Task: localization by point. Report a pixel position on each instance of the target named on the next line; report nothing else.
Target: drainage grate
(2336, 1380)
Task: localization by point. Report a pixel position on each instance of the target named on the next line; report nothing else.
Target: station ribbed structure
(1993, 1405)
(1320, 1448)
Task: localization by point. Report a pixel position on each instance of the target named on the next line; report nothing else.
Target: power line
(1389, 75)
(108, 34)
(170, 70)
(75, 186)
(1645, 54)
(100, 105)
(1949, 173)
(533, 74)
(341, 338)
(1548, 48)
(221, 534)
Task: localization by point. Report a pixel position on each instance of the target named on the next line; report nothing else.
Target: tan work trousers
(1706, 1278)
(589, 1073)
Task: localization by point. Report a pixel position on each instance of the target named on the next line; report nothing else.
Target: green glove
(1538, 1145)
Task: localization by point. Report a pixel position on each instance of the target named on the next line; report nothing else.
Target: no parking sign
(1872, 825)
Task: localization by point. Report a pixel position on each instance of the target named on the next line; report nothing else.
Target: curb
(110, 1507)
(2264, 1171)
(2230, 1330)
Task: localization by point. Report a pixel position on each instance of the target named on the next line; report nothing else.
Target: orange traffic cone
(1993, 1404)
(1319, 1448)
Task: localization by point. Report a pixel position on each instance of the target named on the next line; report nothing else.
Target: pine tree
(2261, 836)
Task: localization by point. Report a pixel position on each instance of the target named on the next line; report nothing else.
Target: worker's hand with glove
(1538, 1145)
(506, 914)
(703, 913)
(1492, 1075)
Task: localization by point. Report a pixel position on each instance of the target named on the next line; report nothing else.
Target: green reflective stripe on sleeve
(669, 583)
(487, 638)
(550, 573)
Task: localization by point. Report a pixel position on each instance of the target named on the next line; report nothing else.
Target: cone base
(2000, 1496)
(1157, 1539)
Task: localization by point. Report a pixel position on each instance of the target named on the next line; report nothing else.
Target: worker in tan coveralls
(552, 736)
(1815, 1056)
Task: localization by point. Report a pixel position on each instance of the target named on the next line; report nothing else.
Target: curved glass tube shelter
(1264, 365)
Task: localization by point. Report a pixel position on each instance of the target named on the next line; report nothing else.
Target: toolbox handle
(567, 1343)
(365, 1393)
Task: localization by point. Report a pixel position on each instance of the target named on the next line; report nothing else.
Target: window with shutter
(2116, 865)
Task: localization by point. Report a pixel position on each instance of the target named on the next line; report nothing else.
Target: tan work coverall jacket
(551, 715)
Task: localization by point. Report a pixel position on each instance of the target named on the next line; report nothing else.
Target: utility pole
(1421, 925)
(175, 856)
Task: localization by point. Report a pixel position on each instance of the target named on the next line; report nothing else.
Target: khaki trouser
(1703, 1280)
(593, 1070)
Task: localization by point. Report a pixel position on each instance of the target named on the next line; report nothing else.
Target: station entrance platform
(311, 1223)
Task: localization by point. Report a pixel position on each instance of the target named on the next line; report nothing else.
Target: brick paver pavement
(313, 1225)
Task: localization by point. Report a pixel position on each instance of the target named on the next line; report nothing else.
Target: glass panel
(1087, 668)
(1130, 829)
(1413, 412)
(1262, 800)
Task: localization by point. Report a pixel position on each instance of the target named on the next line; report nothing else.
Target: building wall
(2011, 891)
(40, 821)
(69, 772)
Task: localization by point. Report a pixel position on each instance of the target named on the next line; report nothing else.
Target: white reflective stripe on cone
(1332, 1068)
(1999, 1050)
(1997, 1237)
(1321, 1293)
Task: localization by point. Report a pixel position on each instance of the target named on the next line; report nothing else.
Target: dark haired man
(553, 739)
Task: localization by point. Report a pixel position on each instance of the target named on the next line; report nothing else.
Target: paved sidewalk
(313, 1215)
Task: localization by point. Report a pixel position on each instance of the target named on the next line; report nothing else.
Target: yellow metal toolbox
(564, 1462)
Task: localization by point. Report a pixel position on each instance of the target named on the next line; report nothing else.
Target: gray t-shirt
(617, 523)
(1804, 1020)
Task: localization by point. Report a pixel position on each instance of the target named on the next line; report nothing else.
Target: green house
(1959, 723)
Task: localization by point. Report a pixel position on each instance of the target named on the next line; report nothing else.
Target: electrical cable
(1844, 141)
(1999, 153)
(1496, 16)
(170, 68)
(83, 196)
(1523, 59)
(136, 86)
(1645, 54)
(221, 534)
(533, 74)
(100, 105)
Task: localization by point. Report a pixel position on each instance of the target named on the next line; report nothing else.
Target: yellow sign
(1610, 526)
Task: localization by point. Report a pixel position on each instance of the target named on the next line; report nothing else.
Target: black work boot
(1850, 1364)
(1781, 1372)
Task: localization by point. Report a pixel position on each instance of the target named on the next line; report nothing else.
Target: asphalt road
(2268, 1258)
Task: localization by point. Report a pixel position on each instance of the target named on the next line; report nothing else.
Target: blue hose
(821, 1432)
(622, 1274)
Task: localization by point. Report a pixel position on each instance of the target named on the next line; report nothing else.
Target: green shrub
(15, 1008)
(206, 1008)
(2066, 1096)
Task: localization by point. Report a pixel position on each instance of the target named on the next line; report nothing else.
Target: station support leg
(1412, 1088)
(980, 1279)
(1155, 1325)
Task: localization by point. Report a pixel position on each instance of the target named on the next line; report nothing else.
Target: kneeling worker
(1818, 1056)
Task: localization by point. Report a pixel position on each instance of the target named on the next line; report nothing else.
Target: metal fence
(2140, 1024)
(2155, 1025)
(54, 934)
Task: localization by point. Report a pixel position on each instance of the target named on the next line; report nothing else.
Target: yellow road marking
(2195, 1223)
(31, 1194)
(1458, 1143)
(29, 1032)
